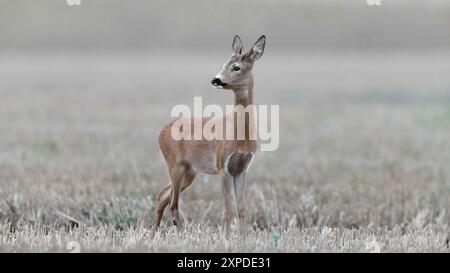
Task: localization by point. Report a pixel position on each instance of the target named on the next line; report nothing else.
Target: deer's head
(236, 73)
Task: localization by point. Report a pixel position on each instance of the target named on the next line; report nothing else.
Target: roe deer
(228, 158)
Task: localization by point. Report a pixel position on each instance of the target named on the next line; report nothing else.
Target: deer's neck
(244, 97)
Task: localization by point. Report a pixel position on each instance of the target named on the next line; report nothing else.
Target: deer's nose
(217, 82)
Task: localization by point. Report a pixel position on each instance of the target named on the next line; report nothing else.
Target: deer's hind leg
(186, 177)
(182, 177)
(163, 200)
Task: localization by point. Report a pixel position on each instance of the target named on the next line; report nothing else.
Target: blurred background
(364, 95)
(204, 25)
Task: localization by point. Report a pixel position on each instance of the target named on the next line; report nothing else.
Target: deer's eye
(236, 68)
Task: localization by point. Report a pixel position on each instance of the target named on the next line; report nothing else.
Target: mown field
(363, 163)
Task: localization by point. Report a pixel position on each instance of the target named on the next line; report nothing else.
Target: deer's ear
(257, 50)
(237, 46)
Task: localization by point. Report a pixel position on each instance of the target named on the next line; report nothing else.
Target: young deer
(228, 158)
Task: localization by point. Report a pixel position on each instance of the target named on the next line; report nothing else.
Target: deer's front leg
(227, 181)
(241, 202)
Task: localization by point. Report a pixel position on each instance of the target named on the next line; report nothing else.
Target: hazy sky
(207, 24)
